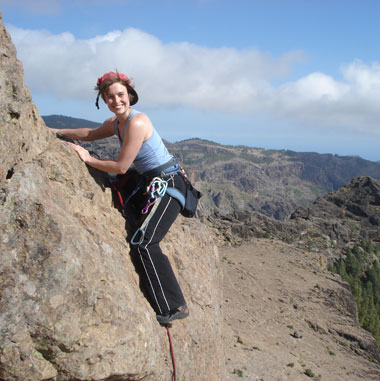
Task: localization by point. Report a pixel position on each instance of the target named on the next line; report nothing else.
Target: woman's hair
(109, 79)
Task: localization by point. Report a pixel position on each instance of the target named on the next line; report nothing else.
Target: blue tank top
(153, 152)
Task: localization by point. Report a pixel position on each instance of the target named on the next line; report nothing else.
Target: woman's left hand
(82, 152)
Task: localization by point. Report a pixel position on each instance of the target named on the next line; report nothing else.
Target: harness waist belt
(157, 171)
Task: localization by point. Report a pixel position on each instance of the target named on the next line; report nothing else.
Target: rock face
(18, 114)
(339, 219)
(70, 303)
(346, 216)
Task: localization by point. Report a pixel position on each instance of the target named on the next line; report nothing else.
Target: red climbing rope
(171, 352)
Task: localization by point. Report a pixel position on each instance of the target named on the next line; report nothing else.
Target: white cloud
(352, 103)
(174, 73)
(197, 76)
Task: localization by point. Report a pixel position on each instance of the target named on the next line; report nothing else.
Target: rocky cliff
(338, 220)
(346, 216)
(70, 303)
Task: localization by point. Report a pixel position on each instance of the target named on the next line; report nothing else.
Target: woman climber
(143, 150)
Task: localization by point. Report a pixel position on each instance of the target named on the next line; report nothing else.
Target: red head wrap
(131, 91)
(112, 75)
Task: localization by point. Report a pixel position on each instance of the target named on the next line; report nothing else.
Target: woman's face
(117, 99)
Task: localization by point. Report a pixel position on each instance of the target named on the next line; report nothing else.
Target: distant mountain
(61, 121)
(245, 179)
(272, 182)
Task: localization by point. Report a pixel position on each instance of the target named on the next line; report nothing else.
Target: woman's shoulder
(141, 124)
(139, 118)
(137, 114)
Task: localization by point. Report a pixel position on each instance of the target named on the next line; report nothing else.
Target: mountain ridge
(241, 178)
(63, 121)
(57, 120)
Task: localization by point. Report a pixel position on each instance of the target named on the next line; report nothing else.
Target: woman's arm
(88, 134)
(138, 130)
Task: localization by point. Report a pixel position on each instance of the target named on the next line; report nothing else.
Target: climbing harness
(171, 352)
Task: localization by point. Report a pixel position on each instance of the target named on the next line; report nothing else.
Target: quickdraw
(156, 190)
(138, 237)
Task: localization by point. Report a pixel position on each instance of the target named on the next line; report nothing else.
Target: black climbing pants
(157, 278)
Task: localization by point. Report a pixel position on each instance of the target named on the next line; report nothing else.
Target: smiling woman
(146, 164)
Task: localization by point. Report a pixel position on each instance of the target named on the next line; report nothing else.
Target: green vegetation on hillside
(360, 268)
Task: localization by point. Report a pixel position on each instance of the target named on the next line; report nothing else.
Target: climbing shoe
(178, 313)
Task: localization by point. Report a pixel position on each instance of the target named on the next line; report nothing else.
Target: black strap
(157, 171)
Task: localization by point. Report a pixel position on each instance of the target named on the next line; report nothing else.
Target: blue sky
(287, 74)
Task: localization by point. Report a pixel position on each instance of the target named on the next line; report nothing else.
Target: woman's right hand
(55, 130)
